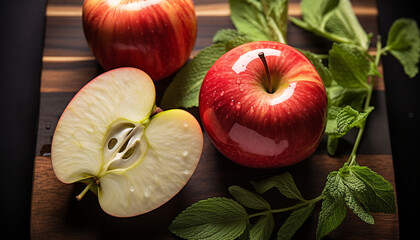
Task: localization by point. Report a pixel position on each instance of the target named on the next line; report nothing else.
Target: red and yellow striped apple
(156, 36)
(262, 115)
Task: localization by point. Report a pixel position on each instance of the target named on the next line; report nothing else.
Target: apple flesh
(156, 36)
(254, 126)
(111, 137)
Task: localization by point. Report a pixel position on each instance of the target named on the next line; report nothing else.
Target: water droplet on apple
(232, 102)
(241, 89)
(222, 93)
(186, 172)
(238, 81)
(251, 110)
(238, 106)
(132, 189)
(147, 192)
(185, 125)
(185, 153)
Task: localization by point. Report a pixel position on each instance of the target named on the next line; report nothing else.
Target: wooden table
(68, 65)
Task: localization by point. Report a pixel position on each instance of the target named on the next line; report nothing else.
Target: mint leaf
(332, 144)
(354, 188)
(334, 20)
(331, 128)
(294, 222)
(214, 218)
(358, 187)
(323, 71)
(349, 118)
(342, 96)
(284, 183)
(380, 196)
(349, 66)
(260, 19)
(248, 199)
(333, 212)
(224, 35)
(263, 229)
(404, 44)
(184, 90)
(333, 208)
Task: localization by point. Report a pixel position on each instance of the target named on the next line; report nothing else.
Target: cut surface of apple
(110, 138)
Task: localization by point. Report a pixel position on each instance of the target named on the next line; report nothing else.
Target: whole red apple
(156, 36)
(263, 115)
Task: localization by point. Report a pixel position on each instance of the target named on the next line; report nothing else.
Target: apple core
(124, 146)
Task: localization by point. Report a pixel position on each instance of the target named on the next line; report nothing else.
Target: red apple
(156, 36)
(255, 127)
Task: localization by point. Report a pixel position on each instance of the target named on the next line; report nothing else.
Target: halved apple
(111, 137)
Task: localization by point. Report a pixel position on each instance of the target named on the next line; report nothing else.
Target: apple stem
(156, 111)
(80, 196)
(262, 57)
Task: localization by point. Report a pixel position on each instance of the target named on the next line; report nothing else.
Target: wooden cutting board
(68, 65)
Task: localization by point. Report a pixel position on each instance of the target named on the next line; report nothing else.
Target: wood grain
(202, 10)
(68, 65)
(56, 214)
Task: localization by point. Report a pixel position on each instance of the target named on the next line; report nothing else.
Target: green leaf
(332, 144)
(185, 87)
(354, 188)
(245, 234)
(184, 90)
(249, 199)
(334, 20)
(340, 121)
(323, 71)
(380, 196)
(263, 229)
(214, 218)
(333, 212)
(284, 183)
(260, 19)
(349, 118)
(361, 189)
(404, 44)
(342, 96)
(224, 35)
(349, 66)
(294, 222)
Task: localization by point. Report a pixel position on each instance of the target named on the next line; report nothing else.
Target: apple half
(111, 137)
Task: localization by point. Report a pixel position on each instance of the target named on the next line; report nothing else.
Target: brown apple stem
(80, 196)
(262, 57)
(156, 111)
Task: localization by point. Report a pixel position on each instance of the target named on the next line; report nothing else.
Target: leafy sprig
(225, 218)
(348, 72)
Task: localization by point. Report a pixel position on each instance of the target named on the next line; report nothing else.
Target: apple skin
(156, 36)
(255, 128)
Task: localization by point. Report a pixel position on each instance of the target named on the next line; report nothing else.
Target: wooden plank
(56, 214)
(202, 10)
(70, 73)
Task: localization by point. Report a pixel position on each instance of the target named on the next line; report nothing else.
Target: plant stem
(267, 72)
(379, 52)
(299, 205)
(80, 196)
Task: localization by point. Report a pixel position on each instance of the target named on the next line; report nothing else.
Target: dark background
(21, 44)
(403, 105)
